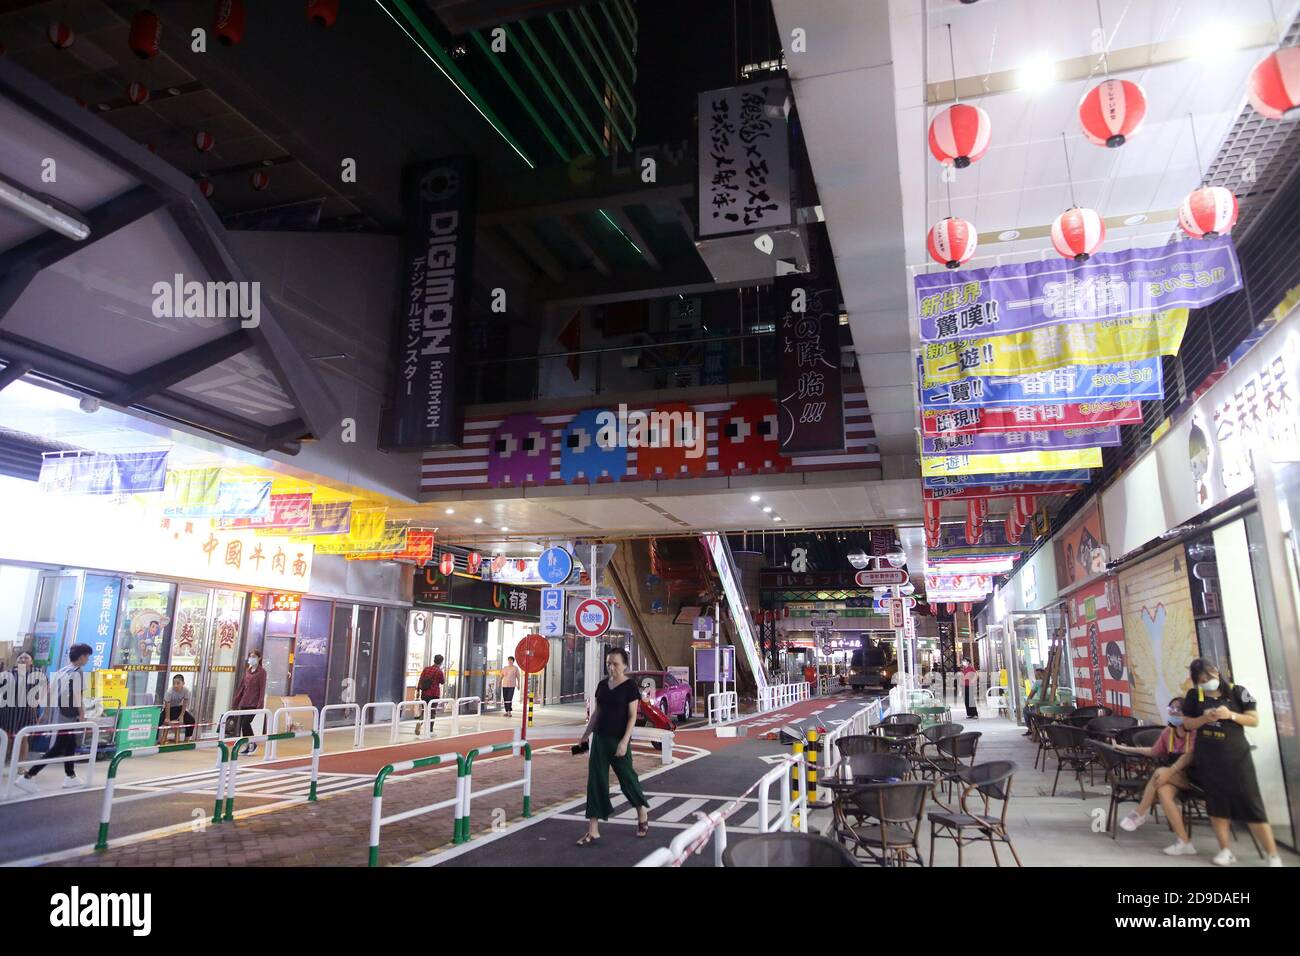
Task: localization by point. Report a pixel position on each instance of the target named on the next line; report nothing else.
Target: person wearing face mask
(610, 733)
(1167, 782)
(250, 695)
(1219, 711)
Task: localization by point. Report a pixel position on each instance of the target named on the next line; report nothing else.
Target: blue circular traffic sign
(555, 565)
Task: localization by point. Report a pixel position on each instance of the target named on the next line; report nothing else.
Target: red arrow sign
(866, 579)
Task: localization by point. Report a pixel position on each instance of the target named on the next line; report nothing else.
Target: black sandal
(587, 840)
(643, 827)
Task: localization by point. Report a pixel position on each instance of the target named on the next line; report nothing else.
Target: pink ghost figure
(519, 452)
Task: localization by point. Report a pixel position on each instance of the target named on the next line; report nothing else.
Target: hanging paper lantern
(521, 565)
(146, 34)
(965, 607)
(1014, 530)
(1112, 111)
(1274, 84)
(228, 22)
(206, 187)
(60, 35)
(1208, 212)
(1078, 233)
(952, 241)
(472, 562)
(785, 610)
(204, 141)
(959, 135)
(259, 180)
(1025, 506)
(324, 12)
(137, 93)
(447, 564)
(950, 607)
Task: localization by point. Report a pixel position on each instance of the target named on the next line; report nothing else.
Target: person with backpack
(430, 686)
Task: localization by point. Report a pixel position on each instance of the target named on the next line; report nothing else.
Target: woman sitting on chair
(1167, 782)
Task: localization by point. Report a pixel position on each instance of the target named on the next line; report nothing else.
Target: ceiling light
(504, 528)
(1136, 220)
(767, 509)
(1036, 75)
(753, 497)
(776, 517)
(478, 520)
(1008, 235)
(40, 211)
(450, 511)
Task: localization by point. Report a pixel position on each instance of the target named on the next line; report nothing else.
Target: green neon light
(618, 36)
(622, 12)
(614, 78)
(519, 95)
(573, 100)
(591, 84)
(621, 232)
(448, 69)
(546, 90)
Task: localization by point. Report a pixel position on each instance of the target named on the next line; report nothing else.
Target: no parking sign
(591, 618)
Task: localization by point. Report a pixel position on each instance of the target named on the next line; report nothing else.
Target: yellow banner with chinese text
(1066, 460)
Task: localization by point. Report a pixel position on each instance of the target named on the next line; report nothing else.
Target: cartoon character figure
(669, 444)
(520, 452)
(146, 627)
(583, 457)
(747, 438)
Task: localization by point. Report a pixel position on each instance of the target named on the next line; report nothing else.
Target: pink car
(666, 692)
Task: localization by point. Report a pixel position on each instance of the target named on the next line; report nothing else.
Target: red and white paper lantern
(447, 564)
(1208, 212)
(959, 135)
(206, 187)
(228, 22)
(60, 35)
(137, 93)
(204, 141)
(259, 180)
(146, 34)
(1112, 111)
(1078, 233)
(965, 607)
(1274, 84)
(952, 241)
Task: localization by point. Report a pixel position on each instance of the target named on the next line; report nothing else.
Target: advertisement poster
(1161, 631)
(955, 463)
(1111, 285)
(982, 421)
(1056, 439)
(1120, 381)
(1010, 479)
(744, 156)
(809, 380)
(1098, 656)
(1080, 549)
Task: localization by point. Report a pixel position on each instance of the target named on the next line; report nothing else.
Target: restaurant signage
(433, 589)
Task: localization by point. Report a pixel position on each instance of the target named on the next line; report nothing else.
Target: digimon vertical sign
(436, 271)
(744, 158)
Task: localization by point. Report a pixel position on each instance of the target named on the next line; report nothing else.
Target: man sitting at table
(176, 706)
(1166, 783)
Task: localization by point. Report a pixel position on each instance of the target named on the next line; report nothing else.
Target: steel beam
(12, 373)
(573, 229)
(171, 371)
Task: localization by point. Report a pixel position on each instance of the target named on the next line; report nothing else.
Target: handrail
(419, 705)
(789, 809)
(478, 713)
(370, 708)
(859, 722)
(378, 820)
(51, 730)
(692, 840)
(228, 771)
(664, 738)
(271, 750)
(106, 806)
(725, 706)
(355, 726)
(250, 712)
(776, 696)
(468, 796)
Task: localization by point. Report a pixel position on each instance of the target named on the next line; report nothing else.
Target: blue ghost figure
(581, 456)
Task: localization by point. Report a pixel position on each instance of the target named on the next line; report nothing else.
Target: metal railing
(526, 781)
(229, 770)
(775, 696)
(226, 715)
(372, 708)
(723, 707)
(421, 716)
(355, 726)
(271, 748)
(377, 818)
(859, 722)
(52, 731)
(574, 731)
(790, 810)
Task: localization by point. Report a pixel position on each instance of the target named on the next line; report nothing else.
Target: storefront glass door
(140, 645)
(55, 604)
(205, 648)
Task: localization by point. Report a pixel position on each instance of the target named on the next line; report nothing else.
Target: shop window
(143, 631)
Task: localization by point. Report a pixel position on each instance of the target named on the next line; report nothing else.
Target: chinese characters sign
(199, 549)
(809, 384)
(1072, 384)
(97, 620)
(436, 270)
(744, 153)
(1056, 439)
(1111, 285)
(983, 421)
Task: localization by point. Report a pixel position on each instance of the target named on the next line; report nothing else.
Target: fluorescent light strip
(39, 211)
(469, 99)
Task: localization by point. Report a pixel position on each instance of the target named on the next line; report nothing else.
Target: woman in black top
(610, 732)
(1219, 711)
(20, 700)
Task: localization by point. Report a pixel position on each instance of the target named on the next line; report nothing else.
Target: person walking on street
(968, 678)
(509, 681)
(20, 700)
(430, 686)
(610, 733)
(67, 706)
(250, 695)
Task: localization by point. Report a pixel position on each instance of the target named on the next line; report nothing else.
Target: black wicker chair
(851, 745)
(954, 754)
(1143, 735)
(1108, 729)
(1123, 787)
(895, 811)
(992, 781)
(931, 736)
(787, 850)
(1070, 746)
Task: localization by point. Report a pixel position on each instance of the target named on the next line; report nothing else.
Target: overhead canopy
(80, 314)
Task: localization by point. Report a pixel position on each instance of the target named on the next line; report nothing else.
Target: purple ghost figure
(519, 452)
